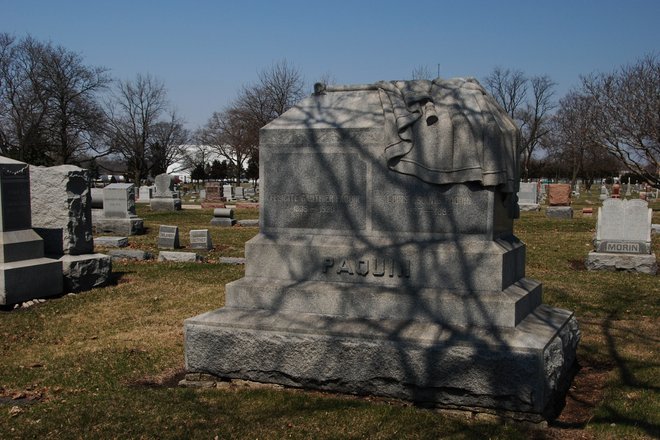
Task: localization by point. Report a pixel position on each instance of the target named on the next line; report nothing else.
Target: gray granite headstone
(386, 262)
(228, 192)
(25, 273)
(200, 239)
(624, 226)
(164, 186)
(168, 237)
(528, 199)
(119, 200)
(61, 209)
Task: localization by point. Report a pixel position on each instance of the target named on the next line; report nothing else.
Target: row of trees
(609, 124)
(54, 109)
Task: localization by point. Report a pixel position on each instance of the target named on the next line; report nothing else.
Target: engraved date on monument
(377, 267)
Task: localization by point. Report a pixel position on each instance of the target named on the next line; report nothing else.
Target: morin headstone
(386, 262)
(623, 237)
(25, 273)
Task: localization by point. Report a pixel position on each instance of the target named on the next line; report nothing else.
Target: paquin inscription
(377, 267)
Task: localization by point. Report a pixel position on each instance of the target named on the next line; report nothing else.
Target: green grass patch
(104, 364)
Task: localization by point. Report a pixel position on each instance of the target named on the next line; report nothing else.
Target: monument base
(165, 204)
(529, 206)
(643, 263)
(24, 280)
(85, 272)
(524, 370)
(560, 212)
(118, 226)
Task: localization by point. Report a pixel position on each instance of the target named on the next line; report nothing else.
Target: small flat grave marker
(168, 237)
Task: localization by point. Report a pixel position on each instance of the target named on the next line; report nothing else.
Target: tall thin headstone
(386, 251)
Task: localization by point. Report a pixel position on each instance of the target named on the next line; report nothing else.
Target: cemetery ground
(106, 363)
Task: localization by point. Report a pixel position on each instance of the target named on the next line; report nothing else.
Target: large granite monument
(25, 273)
(623, 237)
(386, 262)
(61, 206)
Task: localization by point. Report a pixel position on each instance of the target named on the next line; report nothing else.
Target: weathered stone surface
(366, 278)
(111, 241)
(457, 367)
(623, 262)
(61, 209)
(85, 272)
(130, 254)
(119, 201)
(24, 272)
(559, 212)
(248, 222)
(624, 226)
(168, 237)
(179, 257)
(200, 239)
(559, 194)
(165, 204)
(118, 226)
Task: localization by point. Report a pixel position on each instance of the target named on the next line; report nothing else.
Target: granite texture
(643, 263)
(168, 237)
(111, 241)
(85, 272)
(559, 212)
(118, 226)
(61, 209)
(130, 254)
(179, 257)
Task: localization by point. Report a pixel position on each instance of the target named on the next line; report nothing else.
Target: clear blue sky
(205, 50)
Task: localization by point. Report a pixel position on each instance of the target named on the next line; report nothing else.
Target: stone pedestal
(85, 272)
(165, 204)
(623, 262)
(368, 280)
(119, 217)
(25, 273)
(165, 198)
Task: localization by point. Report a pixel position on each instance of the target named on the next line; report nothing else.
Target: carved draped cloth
(449, 131)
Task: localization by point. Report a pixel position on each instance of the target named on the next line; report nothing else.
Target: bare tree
(628, 115)
(134, 111)
(234, 131)
(48, 98)
(510, 88)
(167, 144)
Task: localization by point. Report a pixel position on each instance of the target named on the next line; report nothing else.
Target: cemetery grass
(105, 363)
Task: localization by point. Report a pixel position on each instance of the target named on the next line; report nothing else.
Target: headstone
(200, 239)
(239, 193)
(623, 237)
(386, 263)
(145, 193)
(179, 257)
(202, 194)
(165, 198)
(62, 209)
(223, 217)
(168, 237)
(559, 200)
(616, 191)
(228, 192)
(25, 273)
(528, 196)
(111, 241)
(130, 254)
(97, 198)
(604, 193)
(628, 188)
(118, 216)
(213, 192)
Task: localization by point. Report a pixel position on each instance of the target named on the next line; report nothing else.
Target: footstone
(111, 241)
(130, 254)
(85, 272)
(560, 212)
(386, 262)
(179, 257)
